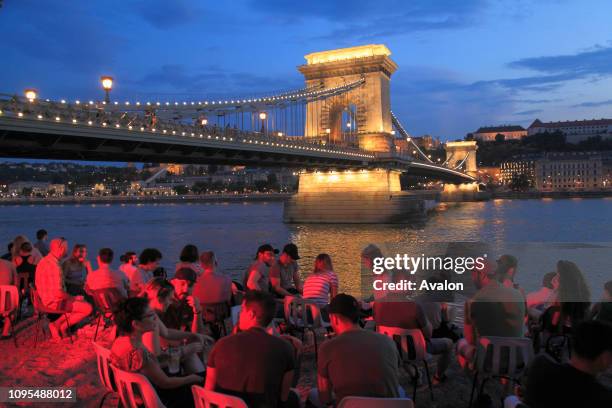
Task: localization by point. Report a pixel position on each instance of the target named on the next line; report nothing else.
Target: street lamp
(31, 94)
(262, 117)
(107, 84)
(204, 122)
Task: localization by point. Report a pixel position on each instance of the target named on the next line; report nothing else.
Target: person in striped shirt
(322, 284)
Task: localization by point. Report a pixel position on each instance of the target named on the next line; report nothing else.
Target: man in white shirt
(106, 278)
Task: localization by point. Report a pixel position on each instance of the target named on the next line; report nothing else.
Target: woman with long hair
(158, 341)
(189, 259)
(134, 318)
(574, 296)
(322, 284)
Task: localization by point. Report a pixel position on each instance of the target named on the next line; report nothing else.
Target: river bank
(191, 198)
(517, 195)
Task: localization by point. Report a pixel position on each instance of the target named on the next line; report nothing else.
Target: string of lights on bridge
(32, 95)
(107, 84)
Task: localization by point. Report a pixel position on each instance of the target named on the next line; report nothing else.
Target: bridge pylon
(370, 103)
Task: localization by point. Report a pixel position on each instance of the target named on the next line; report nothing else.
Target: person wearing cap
(284, 273)
(494, 310)
(184, 312)
(257, 276)
(253, 364)
(356, 362)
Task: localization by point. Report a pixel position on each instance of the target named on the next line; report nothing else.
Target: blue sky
(462, 64)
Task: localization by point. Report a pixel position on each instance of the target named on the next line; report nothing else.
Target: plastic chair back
(135, 390)
(410, 342)
(503, 356)
(210, 399)
(298, 312)
(235, 312)
(512, 401)
(368, 402)
(106, 299)
(9, 299)
(104, 371)
(38, 304)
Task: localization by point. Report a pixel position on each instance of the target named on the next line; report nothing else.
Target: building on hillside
(571, 171)
(517, 166)
(576, 130)
(36, 188)
(510, 132)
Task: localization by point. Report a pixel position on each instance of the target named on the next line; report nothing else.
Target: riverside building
(575, 131)
(570, 171)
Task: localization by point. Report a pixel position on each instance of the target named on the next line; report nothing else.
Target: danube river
(538, 232)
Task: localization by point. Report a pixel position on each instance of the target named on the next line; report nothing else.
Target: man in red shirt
(52, 290)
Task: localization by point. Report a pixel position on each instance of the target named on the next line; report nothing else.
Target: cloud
(594, 62)
(528, 112)
(593, 104)
(164, 14)
(207, 82)
(536, 101)
(366, 19)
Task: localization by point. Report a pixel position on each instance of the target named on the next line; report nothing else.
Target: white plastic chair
(501, 357)
(235, 311)
(104, 371)
(209, 399)
(413, 349)
(513, 401)
(9, 305)
(128, 382)
(368, 402)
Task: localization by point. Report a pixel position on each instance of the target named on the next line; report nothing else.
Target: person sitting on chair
(106, 278)
(550, 384)
(134, 317)
(357, 362)
(253, 364)
(51, 290)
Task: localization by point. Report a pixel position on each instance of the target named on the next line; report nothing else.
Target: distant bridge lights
(107, 85)
(31, 94)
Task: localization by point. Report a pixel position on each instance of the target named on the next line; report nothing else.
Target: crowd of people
(172, 327)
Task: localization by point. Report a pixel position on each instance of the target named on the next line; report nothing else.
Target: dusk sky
(462, 64)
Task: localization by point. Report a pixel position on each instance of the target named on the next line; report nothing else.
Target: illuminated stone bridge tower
(363, 196)
(369, 104)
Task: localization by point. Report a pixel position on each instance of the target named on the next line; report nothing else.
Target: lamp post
(31, 94)
(107, 84)
(262, 117)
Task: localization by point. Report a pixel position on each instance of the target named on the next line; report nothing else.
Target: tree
(181, 190)
(500, 138)
(520, 182)
(469, 136)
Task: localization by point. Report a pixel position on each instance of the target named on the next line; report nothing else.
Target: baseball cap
(187, 274)
(292, 251)
(345, 305)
